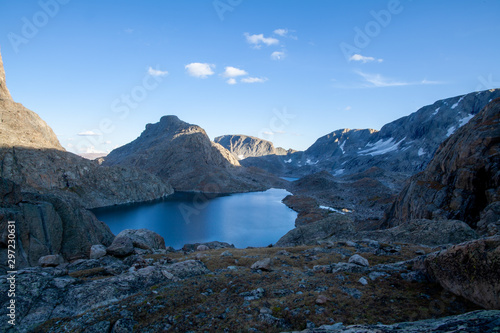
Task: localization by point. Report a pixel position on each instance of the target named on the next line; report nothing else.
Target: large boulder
(144, 239)
(333, 227)
(471, 270)
(122, 246)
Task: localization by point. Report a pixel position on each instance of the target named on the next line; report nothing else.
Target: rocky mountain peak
(4, 92)
(243, 146)
(20, 127)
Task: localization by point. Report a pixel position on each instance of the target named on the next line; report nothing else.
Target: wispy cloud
(254, 79)
(88, 133)
(277, 55)
(363, 59)
(200, 70)
(281, 32)
(156, 72)
(231, 81)
(258, 40)
(377, 80)
(233, 72)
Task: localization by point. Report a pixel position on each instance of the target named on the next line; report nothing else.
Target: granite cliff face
(405, 145)
(242, 146)
(183, 154)
(463, 179)
(47, 225)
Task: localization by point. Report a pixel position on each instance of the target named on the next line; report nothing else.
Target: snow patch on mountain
(381, 147)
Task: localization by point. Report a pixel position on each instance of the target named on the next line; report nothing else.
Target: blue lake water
(244, 219)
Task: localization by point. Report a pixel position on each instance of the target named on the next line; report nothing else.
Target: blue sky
(289, 71)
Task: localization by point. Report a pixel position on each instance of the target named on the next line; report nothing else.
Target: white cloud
(200, 70)
(377, 80)
(258, 40)
(233, 72)
(231, 81)
(254, 79)
(281, 32)
(107, 142)
(70, 145)
(156, 72)
(268, 133)
(92, 150)
(348, 108)
(363, 59)
(89, 133)
(277, 55)
(129, 30)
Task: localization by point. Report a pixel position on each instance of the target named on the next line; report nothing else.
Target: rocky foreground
(139, 285)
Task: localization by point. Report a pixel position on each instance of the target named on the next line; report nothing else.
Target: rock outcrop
(47, 225)
(243, 146)
(461, 181)
(4, 91)
(183, 154)
(471, 270)
(335, 226)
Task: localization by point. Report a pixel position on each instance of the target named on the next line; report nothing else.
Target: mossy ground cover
(214, 302)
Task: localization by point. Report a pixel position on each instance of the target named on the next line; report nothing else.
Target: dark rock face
(471, 270)
(70, 176)
(405, 145)
(47, 225)
(242, 146)
(462, 179)
(477, 321)
(184, 155)
(425, 232)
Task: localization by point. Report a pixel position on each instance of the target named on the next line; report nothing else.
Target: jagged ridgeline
(405, 145)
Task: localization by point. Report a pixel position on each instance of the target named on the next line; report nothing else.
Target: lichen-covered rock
(121, 247)
(335, 226)
(97, 251)
(50, 260)
(471, 270)
(358, 260)
(476, 321)
(264, 264)
(144, 239)
(425, 232)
